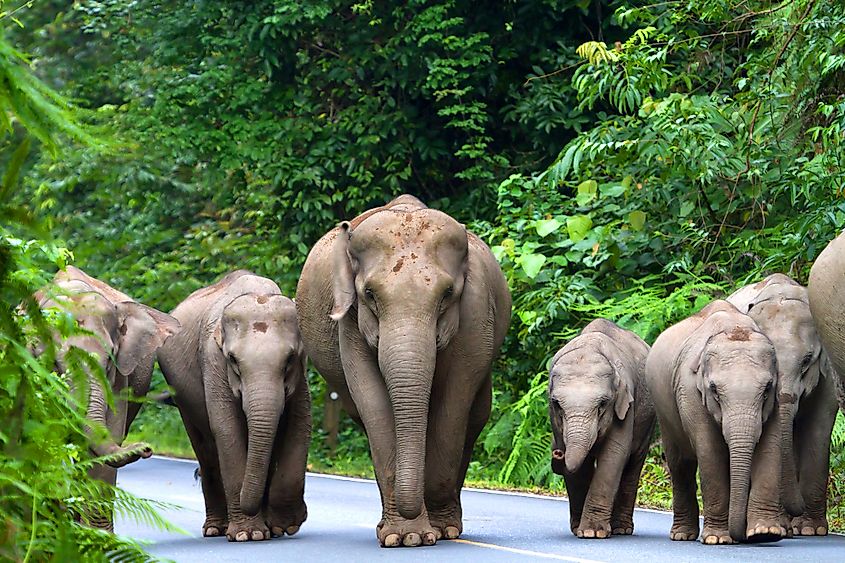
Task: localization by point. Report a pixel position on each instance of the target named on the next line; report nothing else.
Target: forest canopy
(622, 158)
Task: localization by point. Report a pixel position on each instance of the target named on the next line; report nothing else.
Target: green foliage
(46, 495)
(624, 159)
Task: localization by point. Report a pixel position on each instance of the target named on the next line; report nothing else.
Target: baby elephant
(713, 378)
(238, 372)
(602, 420)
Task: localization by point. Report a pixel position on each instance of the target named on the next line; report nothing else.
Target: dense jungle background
(623, 158)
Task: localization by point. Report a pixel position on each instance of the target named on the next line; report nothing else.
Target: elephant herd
(402, 311)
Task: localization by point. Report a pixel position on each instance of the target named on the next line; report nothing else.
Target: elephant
(602, 420)
(826, 290)
(806, 394)
(402, 311)
(237, 370)
(124, 335)
(713, 378)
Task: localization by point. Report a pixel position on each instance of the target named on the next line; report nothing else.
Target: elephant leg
(766, 516)
(286, 511)
(228, 426)
(684, 500)
(102, 517)
(612, 457)
(369, 393)
(577, 485)
(713, 463)
(454, 422)
(812, 440)
(622, 517)
(216, 514)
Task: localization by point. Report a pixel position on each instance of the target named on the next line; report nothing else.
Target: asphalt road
(342, 515)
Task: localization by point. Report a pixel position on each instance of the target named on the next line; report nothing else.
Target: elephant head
(258, 338)
(590, 388)
(400, 274)
(121, 335)
(781, 309)
(735, 371)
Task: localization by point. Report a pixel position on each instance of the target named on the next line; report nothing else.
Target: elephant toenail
(392, 540)
(411, 540)
(291, 530)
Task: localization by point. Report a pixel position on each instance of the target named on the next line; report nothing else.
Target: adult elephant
(712, 378)
(238, 372)
(826, 290)
(124, 336)
(806, 395)
(402, 311)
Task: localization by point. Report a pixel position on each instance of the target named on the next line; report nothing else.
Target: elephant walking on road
(124, 336)
(602, 421)
(806, 394)
(826, 290)
(713, 379)
(238, 372)
(402, 311)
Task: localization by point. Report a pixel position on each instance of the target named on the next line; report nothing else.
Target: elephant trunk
(263, 410)
(581, 433)
(96, 413)
(407, 353)
(741, 443)
(791, 496)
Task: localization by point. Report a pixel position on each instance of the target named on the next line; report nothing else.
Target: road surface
(343, 513)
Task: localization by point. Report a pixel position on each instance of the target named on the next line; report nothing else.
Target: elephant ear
(231, 377)
(625, 374)
(698, 365)
(343, 279)
(142, 330)
(450, 319)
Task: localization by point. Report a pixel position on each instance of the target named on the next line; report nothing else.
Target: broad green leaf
(546, 226)
(637, 220)
(614, 190)
(532, 264)
(578, 226)
(687, 208)
(586, 191)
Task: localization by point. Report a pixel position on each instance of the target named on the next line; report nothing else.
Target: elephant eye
(603, 402)
(713, 387)
(289, 362)
(449, 291)
(768, 388)
(233, 359)
(369, 293)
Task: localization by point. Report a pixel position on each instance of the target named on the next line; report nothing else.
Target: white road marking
(528, 552)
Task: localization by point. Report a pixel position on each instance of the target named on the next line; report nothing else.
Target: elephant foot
(806, 526)
(248, 529)
(714, 536)
(446, 522)
(285, 519)
(395, 531)
(762, 532)
(622, 526)
(590, 529)
(683, 533)
(214, 526)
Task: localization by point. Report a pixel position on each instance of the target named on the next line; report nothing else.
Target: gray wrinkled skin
(124, 335)
(713, 379)
(402, 311)
(238, 373)
(602, 421)
(806, 395)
